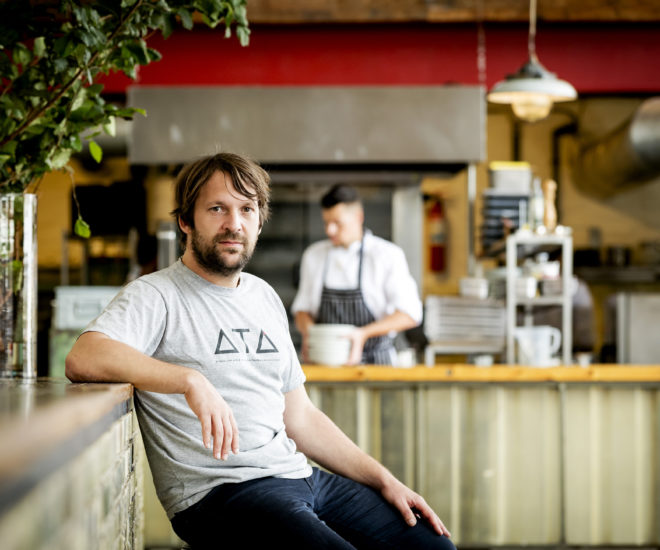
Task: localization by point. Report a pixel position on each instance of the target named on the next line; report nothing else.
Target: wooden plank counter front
(513, 455)
(469, 373)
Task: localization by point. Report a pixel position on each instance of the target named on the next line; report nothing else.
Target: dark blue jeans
(321, 511)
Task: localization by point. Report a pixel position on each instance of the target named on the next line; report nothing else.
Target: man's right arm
(304, 320)
(309, 293)
(96, 357)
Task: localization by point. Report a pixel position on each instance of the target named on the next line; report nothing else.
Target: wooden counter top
(497, 373)
(38, 417)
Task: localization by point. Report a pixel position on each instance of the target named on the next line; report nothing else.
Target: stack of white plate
(451, 319)
(329, 344)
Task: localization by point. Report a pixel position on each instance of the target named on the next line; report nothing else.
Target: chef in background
(354, 277)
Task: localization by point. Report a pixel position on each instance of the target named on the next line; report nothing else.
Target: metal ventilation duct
(311, 125)
(628, 156)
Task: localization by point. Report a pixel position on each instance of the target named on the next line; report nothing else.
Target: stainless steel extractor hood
(310, 124)
(627, 157)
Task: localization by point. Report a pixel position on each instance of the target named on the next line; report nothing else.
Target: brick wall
(94, 501)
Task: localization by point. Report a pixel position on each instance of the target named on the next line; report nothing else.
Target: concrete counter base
(69, 475)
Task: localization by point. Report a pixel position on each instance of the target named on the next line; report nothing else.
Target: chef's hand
(358, 337)
(305, 347)
(216, 416)
(303, 321)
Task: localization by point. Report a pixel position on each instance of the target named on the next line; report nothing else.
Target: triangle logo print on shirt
(224, 344)
(266, 346)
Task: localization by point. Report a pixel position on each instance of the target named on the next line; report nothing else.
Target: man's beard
(211, 259)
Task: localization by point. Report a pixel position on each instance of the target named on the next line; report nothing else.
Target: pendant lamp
(533, 89)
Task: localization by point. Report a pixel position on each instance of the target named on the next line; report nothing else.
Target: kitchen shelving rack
(523, 244)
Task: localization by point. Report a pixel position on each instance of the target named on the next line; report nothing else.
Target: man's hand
(412, 506)
(358, 337)
(217, 418)
(303, 321)
(305, 347)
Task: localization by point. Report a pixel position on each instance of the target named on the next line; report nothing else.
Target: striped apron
(348, 307)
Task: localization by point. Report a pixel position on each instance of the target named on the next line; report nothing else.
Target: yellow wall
(54, 210)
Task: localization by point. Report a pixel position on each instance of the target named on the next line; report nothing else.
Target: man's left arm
(397, 322)
(401, 296)
(323, 442)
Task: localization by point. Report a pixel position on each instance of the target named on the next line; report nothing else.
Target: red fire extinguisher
(437, 237)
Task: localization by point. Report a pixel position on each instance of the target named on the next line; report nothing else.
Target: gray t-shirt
(239, 339)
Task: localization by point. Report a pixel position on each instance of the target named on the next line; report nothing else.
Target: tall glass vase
(18, 285)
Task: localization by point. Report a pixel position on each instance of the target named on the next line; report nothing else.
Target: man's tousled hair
(248, 177)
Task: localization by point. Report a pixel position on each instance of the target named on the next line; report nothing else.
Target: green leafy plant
(52, 53)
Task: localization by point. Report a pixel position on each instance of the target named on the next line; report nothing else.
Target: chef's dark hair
(247, 176)
(339, 193)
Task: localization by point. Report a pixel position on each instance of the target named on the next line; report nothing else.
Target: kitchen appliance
(512, 176)
(311, 125)
(76, 306)
(637, 321)
(73, 308)
(503, 212)
(168, 249)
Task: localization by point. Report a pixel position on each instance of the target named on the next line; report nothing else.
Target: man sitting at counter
(203, 342)
(356, 278)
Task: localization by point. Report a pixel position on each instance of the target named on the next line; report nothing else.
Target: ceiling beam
(449, 11)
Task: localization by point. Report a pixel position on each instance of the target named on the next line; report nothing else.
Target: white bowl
(338, 345)
(329, 344)
(327, 340)
(473, 287)
(327, 357)
(330, 330)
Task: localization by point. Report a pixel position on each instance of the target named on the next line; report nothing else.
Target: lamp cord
(481, 45)
(531, 41)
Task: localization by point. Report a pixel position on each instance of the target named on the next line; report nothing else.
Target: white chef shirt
(387, 284)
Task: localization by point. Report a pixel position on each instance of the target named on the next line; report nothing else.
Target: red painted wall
(595, 59)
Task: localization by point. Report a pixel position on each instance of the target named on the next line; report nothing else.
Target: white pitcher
(537, 345)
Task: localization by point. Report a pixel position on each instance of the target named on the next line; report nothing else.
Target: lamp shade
(532, 91)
